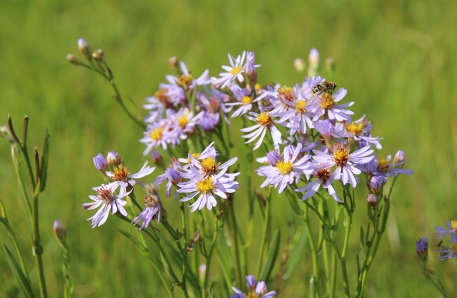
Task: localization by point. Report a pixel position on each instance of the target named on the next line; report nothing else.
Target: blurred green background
(396, 58)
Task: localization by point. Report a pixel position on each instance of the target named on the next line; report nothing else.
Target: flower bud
(60, 232)
(157, 157)
(84, 48)
(299, 64)
(113, 159)
(100, 162)
(98, 55)
(376, 183)
(72, 59)
(313, 60)
(422, 250)
(173, 62)
(372, 200)
(330, 65)
(399, 157)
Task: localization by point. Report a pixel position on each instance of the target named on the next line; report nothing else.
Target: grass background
(396, 58)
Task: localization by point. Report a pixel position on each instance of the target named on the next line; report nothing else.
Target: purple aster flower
(172, 175)
(264, 122)
(244, 99)
(449, 252)
(153, 207)
(107, 201)
(123, 179)
(157, 104)
(442, 232)
(208, 121)
(251, 71)
(255, 289)
(360, 131)
(346, 162)
(422, 250)
(322, 177)
(235, 71)
(392, 169)
(185, 80)
(328, 106)
(286, 171)
(299, 116)
(156, 135)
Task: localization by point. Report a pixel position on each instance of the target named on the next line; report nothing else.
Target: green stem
(162, 278)
(348, 220)
(38, 248)
(312, 246)
(209, 257)
(264, 234)
(238, 275)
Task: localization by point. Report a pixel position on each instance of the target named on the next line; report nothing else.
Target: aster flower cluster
(255, 289)
(111, 196)
(447, 251)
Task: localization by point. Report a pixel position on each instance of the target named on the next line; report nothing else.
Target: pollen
(341, 155)
(246, 100)
(156, 134)
(121, 173)
(184, 81)
(300, 105)
(209, 166)
(194, 155)
(183, 121)
(355, 129)
(205, 185)
(264, 119)
(327, 101)
(454, 225)
(284, 167)
(236, 70)
(383, 165)
(286, 92)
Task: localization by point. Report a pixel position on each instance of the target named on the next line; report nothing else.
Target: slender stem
(312, 246)
(348, 220)
(162, 278)
(38, 248)
(184, 254)
(264, 234)
(208, 259)
(235, 235)
(333, 276)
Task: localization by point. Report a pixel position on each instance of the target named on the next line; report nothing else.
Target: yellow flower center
(205, 185)
(257, 87)
(355, 129)
(341, 155)
(285, 167)
(327, 101)
(121, 173)
(194, 155)
(208, 165)
(286, 93)
(264, 119)
(156, 134)
(184, 81)
(300, 105)
(246, 100)
(183, 121)
(383, 165)
(454, 226)
(236, 70)
(252, 295)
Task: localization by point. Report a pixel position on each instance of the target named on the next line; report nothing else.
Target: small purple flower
(107, 201)
(322, 177)
(255, 289)
(443, 232)
(422, 249)
(123, 179)
(153, 207)
(264, 123)
(233, 72)
(100, 162)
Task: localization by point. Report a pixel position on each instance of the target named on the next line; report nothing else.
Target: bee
(327, 87)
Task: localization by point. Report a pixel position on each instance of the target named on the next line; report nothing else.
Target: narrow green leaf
(271, 257)
(2, 211)
(294, 204)
(297, 247)
(44, 161)
(144, 250)
(23, 280)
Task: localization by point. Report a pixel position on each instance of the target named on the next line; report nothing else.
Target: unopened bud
(422, 250)
(376, 183)
(299, 64)
(330, 65)
(173, 62)
(84, 48)
(98, 55)
(372, 200)
(60, 232)
(72, 59)
(113, 159)
(313, 60)
(399, 157)
(156, 157)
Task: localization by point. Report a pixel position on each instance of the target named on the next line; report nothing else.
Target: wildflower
(172, 174)
(322, 177)
(286, 170)
(153, 207)
(359, 130)
(107, 201)
(299, 117)
(328, 106)
(207, 179)
(392, 169)
(100, 162)
(155, 136)
(123, 179)
(442, 232)
(234, 71)
(345, 161)
(255, 289)
(251, 68)
(185, 79)
(449, 252)
(244, 99)
(264, 122)
(422, 250)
